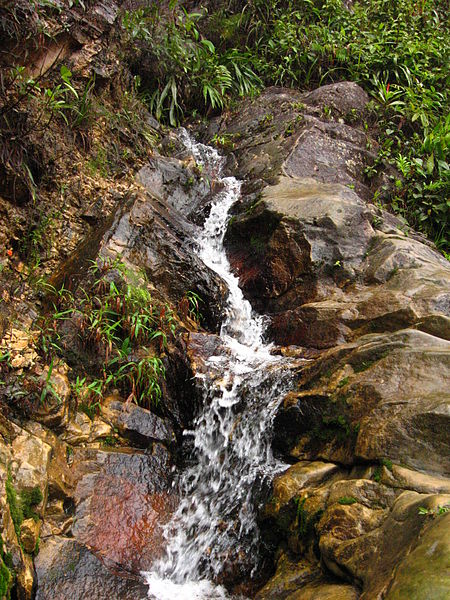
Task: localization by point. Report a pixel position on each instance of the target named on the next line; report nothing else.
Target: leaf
(209, 45)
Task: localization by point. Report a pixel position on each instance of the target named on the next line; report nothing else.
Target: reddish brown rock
(122, 504)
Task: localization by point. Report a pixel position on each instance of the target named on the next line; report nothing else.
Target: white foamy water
(215, 524)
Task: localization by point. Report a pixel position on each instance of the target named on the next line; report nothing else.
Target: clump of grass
(118, 320)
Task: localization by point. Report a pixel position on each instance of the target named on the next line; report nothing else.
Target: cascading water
(215, 524)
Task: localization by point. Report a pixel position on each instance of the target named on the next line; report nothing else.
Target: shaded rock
(325, 591)
(122, 502)
(289, 577)
(29, 534)
(382, 397)
(137, 424)
(66, 569)
(423, 573)
(154, 236)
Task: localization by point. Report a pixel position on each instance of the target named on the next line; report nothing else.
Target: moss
(366, 364)
(30, 499)
(345, 500)
(22, 506)
(5, 579)
(15, 507)
(386, 462)
(6, 573)
(306, 521)
(343, 382)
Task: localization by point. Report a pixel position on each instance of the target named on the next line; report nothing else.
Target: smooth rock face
(138, 424)
(331, 153)
(152, 235)
(386, 398)
(344, 98)
(122, 502)
(318, 266)
(177, 182)
(67, 570)
(424, 572)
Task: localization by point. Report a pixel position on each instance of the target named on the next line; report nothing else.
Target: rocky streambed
(356, 304)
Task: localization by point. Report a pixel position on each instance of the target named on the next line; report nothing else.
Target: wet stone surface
(67, 570)
(122, 504)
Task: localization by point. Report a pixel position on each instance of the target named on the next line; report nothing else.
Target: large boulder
(318, 259)
(382, 397)
(122, 502)
(67, 569)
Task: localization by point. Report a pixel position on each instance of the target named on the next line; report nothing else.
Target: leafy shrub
(185, 68)
(398, 50)
(119, 321)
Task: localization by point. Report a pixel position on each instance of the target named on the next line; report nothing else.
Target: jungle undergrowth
(397, 50)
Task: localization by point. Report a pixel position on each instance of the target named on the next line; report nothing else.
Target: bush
(184, 69)
(398, 50)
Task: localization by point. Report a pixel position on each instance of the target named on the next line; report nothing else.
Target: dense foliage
(398, 50)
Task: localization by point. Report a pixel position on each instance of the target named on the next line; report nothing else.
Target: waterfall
(215, 523)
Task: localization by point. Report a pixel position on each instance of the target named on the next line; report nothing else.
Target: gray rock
(66, 569)
(136, 423)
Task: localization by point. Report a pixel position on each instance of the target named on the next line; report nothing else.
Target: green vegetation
(120, 322)
(335, 428)
(440, 510)
(346, 500)
(384, 462)
(305, 521)
(186, 71)
(398, 50)
(22, 506)
(6, 572)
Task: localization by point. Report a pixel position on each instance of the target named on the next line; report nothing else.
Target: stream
(214, 528)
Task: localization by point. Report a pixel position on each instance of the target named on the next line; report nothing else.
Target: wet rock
(66, 569)
(290, 576)
(154, 236)
(122, 502)
(325, 591)
(352, 407)
(29, 534)
(139, 425)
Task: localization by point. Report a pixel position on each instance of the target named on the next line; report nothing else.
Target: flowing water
(215, 526)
